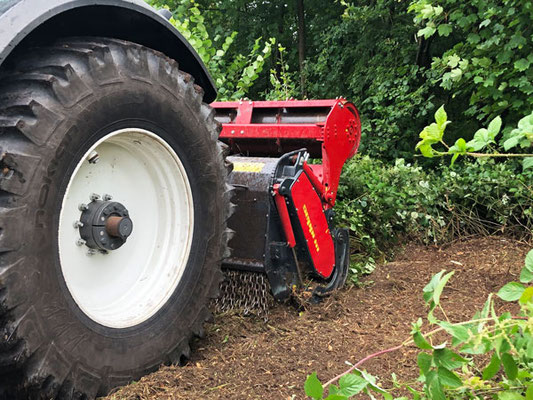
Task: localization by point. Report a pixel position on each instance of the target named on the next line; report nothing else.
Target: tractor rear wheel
(113, 208)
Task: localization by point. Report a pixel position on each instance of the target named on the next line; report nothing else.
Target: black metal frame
(259, 244)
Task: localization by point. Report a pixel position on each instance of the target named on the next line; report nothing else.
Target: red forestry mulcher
(119, 194)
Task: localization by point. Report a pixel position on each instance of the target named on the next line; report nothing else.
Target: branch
(362, 361)
(408, 342)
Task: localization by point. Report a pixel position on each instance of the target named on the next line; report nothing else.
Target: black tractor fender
(28, 23)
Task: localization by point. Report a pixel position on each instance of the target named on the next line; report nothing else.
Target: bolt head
(94, 196)
(93, 157)
(91, 252)
(83, 207)
(108, 197)
(80, 242)
(78, 224)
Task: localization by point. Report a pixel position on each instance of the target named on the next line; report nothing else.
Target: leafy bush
(381, 203)
(454, 371)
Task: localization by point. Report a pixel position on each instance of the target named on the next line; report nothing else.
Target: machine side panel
(314, 225)
(251, 178)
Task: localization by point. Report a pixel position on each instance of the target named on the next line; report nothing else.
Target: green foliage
(369, 57)
(382, 204)
(233, 74)
(454, 370)
(283, 83)
(487, 59)
(483, 139)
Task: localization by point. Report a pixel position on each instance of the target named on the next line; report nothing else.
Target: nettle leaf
(350, 385)
(313, 387)
(458, 332)
(448, 359)
(449, 378)
(512, 141)
(509, 366)
(435, 387)
(527, 163)
(492, 369)
(511, 291)
(424, 362)
(421, 342)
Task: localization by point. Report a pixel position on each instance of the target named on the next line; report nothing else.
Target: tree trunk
(301, 42)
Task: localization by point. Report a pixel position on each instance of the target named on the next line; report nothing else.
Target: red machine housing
(328, 129)
(303, 194)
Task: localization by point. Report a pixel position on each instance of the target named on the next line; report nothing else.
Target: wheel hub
(104, 225)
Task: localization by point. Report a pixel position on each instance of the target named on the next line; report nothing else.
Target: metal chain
(248, 292)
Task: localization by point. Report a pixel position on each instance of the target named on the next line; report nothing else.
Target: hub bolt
(108, 197)
(83, 207)
(78, 224)
(80, 242)
(94, 197)
(91, 252)
(94, 157)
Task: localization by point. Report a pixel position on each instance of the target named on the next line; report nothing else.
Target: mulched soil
(248, 358)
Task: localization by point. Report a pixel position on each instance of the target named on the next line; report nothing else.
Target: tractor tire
(96, 115)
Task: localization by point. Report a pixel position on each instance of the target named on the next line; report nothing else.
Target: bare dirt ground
(247, 358)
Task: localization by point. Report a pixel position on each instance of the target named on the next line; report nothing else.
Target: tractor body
(119, 204)
(26, 24)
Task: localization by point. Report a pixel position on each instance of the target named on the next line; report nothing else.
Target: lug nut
(93, 158)
(80, 242)
(94, 197)
(83, 207)
(78, 224)
(108, 197)
(91, 252)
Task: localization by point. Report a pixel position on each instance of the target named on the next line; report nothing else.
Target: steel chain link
(246, 291)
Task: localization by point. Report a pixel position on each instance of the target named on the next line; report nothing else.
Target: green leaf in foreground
(511, 291)
(509, 366)
(510, 396)
(351, 384)
(421, 342)
(448, 378)
(313, 387)
(492, 369)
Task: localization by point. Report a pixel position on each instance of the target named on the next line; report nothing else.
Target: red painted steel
(314, 224)
(281, 205)
(330, 129)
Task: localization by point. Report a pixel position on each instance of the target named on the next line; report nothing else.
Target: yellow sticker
(248, 166)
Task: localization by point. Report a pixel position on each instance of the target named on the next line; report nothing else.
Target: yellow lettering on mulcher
(310, 228)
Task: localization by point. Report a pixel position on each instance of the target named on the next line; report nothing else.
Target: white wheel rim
(129, 285)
